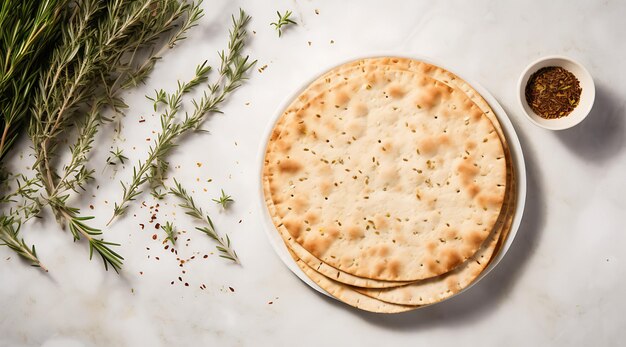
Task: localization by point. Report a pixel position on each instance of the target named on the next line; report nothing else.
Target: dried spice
(553, 92)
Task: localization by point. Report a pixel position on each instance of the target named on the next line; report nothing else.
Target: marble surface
(561, 283)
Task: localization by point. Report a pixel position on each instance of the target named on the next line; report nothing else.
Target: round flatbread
(445, 196)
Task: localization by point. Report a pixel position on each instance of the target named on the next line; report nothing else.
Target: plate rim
(509, 129)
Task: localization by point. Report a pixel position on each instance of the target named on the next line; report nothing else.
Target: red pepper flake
(231, 289)
(241, 220)
(142, 120)
(186, 284)
(184, 272)
(172, 283)
(166, 246)
(180, 278)
(91, 207)
(157, 226)
(141, 272)
(142, 226)
(157, 258)
(154, 237)
(205, 256)
(271, 302)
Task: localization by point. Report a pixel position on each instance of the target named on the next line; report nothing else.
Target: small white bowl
(587, 95)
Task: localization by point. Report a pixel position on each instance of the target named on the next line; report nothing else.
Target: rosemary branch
(9, 236)
(232, 72)
(28, 29)
(188, 204)
(98, 56)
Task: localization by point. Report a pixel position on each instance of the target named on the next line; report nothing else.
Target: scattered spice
(231, 289)
(553, 92)
(154, 237)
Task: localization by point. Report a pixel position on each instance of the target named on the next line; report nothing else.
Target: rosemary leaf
(189, 205)
(170, 230)
(232, 73)
(223, 200)
(283, 20)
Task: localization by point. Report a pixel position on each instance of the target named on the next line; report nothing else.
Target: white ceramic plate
(514, 144)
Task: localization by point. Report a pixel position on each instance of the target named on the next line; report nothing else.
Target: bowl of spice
(556, 92)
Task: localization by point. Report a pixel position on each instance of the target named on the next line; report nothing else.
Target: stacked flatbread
(391, 183)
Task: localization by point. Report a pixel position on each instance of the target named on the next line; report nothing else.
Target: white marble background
(561, 283)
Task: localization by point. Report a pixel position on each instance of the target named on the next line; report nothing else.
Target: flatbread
(405, 263)
(348, 295)
(396, 63)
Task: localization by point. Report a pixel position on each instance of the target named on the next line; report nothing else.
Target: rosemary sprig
(9, 236)
(170, 230)
(283, 20)
(28, 30)
(232, 72)
(223, 200)
(95, 59)
(163, 143)
(116, 156)
(188, 204)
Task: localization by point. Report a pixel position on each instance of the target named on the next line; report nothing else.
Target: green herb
(224, 246)
(170, 230)
(158, 194)
(28, 30)
(117, 156)
(283, 20)
(232, 73)
(95, 59)
(223, 200)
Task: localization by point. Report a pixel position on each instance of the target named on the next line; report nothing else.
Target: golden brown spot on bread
(429, 97)
(444, 139)
(394, 268)
(294, 227)
(289, 166)
(383, 250)
(332, 233)
(381, 222)
(431, 246)
(451, 258)
(452, 284)
(428, 146)
(472, 189)
(325, 188)
(470, 145)
(432, 266)
(475, 239)
(341, 98)
(395, 91)
(317, 245)
(379, 268)
(360, 110)
(354, 232)
(467, 171)
(490, 200)
(312, 217)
